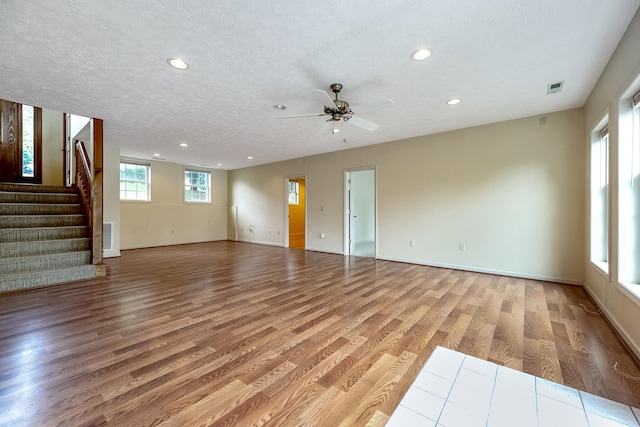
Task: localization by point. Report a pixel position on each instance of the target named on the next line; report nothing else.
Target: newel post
(96, 198)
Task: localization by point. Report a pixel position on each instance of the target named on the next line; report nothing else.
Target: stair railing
(84, 178)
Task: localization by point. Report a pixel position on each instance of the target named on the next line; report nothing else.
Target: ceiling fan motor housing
(341, 106)
(340, 109)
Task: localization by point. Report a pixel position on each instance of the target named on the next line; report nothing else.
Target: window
(197, 186)
(600, 199)
(28, 139)
(629, 197)
(135, 181)
(294, 193)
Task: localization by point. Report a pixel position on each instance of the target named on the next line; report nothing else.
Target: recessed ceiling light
(156, 154)
(335, 130)
(219, 164)
(184, 144)
(346, 141)
(178, 63)
(421, 54)
(279, 107)
(250, 157)
(454, 101)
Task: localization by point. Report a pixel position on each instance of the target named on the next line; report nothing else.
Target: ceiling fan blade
(302, 115)
(326, 127)
(326, 99)
(362, 123)
(380, 105)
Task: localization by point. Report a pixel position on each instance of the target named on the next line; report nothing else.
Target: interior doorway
(360, 213)
(296, 201)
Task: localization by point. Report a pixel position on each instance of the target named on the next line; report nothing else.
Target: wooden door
(8, 141)
(12, 167)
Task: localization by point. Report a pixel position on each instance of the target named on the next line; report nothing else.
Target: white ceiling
(107, 59)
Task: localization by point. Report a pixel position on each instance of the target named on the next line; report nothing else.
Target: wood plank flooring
(230, 333)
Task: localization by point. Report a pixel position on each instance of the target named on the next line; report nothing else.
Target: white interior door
(361, 212)
(352, 216)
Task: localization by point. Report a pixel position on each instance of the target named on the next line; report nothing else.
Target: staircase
(44, 237)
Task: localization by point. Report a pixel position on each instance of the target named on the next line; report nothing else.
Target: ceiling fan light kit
(338, 109)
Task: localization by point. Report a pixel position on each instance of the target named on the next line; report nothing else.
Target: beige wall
(511, 192)
(52, 146)
(620, 79)
(167, 219)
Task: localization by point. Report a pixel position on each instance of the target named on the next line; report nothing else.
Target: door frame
(347, 212)
(286, 207)
(67, 151)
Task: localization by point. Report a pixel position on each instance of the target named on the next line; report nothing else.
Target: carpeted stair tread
(36, 188)
(8, 235)
(24, 221)
(28, 197)
(44, 262)
(40, 208)
(33, 279)
(43, 247)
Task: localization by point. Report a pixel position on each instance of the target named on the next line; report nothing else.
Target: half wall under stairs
(44, 237)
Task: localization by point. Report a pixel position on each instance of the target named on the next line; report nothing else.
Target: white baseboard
(325, 251)
(111, 254)
(258, 242)
(633, 346)
(487, 271)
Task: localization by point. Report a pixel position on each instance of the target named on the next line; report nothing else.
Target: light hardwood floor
(229, 333)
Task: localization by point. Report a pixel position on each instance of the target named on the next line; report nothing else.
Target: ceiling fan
(339, 109)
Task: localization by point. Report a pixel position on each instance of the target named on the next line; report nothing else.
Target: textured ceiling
(107, 59)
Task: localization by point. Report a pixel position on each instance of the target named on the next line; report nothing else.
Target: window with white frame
(294, 193)
(600, 199)
(197, 186)
(135, 181)
(629, 194)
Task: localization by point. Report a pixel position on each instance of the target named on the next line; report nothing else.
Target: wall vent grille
(555, 88)
(107, 232)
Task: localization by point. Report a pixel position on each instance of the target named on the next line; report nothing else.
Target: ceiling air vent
(555, 87)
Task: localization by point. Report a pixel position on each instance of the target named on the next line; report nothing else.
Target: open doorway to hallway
(297, 212)
(360, 213)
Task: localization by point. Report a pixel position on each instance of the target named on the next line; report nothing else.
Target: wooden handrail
(84, 178)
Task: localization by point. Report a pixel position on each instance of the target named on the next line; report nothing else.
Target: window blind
(636, 99)
(604, 132)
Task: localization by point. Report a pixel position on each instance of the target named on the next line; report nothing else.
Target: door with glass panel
(20, 143)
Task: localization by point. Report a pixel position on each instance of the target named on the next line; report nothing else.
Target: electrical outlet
(463, 247)
(412, 243)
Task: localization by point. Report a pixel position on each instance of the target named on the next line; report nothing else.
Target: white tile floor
(456, 390)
